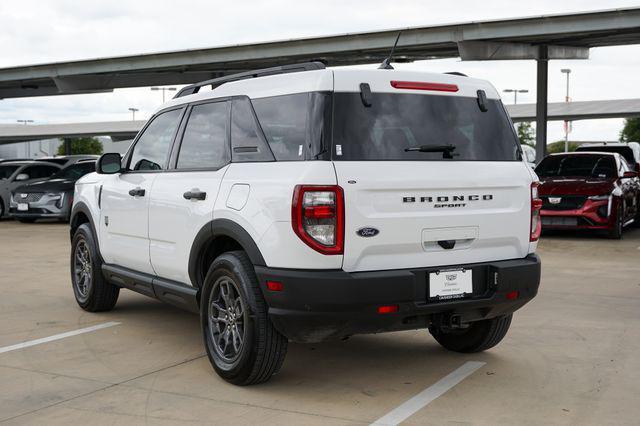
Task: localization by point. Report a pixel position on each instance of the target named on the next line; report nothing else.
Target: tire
(92, 291)
(1, 209)
(478, 337)
(25, 219)
(616, 232)
(257, 350)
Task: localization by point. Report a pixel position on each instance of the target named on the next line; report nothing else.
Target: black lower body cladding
(314, 306)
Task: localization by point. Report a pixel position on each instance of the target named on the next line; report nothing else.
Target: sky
(33, 32)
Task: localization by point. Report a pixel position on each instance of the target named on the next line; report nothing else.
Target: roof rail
(284, 69)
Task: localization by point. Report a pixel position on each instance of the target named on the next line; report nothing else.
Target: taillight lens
(536, 206)
(317, 216)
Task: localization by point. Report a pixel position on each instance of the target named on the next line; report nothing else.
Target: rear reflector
(388, 309)
(274, 285)
(512, 295)
(419, 85)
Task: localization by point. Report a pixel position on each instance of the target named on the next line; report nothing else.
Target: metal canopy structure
(543, 38)
(572, 111)
(125, 130)
(566, 33)
(117, 130)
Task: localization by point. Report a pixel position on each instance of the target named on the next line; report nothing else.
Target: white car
(305, 204)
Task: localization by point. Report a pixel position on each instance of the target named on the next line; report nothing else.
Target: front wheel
(242, 344)
(616, 232)
(93, 293)
(477, 337)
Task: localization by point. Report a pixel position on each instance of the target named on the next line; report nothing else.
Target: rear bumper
(320, 305)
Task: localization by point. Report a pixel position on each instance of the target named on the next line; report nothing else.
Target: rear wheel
(93, 293)
(477, 337)
(241, 342)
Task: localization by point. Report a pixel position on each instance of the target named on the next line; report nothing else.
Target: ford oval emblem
(367, 232)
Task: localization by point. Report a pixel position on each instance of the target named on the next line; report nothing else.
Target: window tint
(406, 126)
(39, 172)
(151, 151)
(7, 171)
(284, 122)
(204, 143)
(596, 166)
(246, 143)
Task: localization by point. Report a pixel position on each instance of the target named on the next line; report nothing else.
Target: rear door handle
(137, 192)
(194, 194)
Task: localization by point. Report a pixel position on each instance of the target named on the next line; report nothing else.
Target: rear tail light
(536, 206)
(317, 216)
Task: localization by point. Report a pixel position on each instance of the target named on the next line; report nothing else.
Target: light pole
(133, 113)
(515, 93)
(164, 89)
(566, 71)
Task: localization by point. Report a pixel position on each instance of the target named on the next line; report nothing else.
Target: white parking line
(412, 406)
(57, 337)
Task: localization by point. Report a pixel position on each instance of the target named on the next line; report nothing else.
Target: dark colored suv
(588, 190)
(51, 198)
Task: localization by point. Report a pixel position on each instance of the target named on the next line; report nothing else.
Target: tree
(526, 134)
(631, 130)
(558, 146)
(89, 146)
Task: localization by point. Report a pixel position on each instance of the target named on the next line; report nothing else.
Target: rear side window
(204, 143)
(246, 141)
(151, 151)
(398, 126)
(284, 123)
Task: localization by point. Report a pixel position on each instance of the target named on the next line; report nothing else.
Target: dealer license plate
(450, 284)
(23, 207)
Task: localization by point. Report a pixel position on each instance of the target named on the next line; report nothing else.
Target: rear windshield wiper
(446, 150)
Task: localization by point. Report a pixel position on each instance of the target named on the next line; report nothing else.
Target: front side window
(246, 141)
(421, 127)
(204, 143)
(151, 151)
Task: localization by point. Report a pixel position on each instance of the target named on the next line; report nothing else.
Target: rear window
(596, 166)
(403, 126)
(625, 151)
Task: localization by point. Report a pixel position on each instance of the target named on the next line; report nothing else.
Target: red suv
(588, 190)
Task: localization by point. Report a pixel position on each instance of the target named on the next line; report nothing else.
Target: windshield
(595, 166)
(7, 171)
(76, 171)
(625, 151)
(421, 127)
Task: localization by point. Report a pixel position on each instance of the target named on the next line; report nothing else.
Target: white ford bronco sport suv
(302, 203)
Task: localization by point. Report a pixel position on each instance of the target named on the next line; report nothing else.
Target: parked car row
(43, 188)
(595, 188)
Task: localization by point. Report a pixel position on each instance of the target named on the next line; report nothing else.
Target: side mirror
(109, 163)
(630, 174)
(21, 177)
